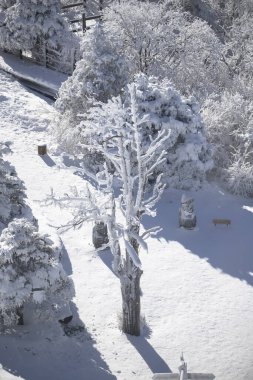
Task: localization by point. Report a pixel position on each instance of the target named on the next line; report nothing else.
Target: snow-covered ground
(23, 69)
(197, 285)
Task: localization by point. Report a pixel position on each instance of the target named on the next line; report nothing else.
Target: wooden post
(84, 22)
(100, 5)
(42, 150)
(20, 54)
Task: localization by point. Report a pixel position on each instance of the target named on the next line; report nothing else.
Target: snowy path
(197, 285)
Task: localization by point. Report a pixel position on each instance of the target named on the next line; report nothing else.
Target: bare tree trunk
(130, 290)
(131, 293)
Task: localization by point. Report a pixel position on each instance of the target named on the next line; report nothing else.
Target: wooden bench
(222, 221)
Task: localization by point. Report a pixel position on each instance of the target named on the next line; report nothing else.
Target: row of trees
(29, 262)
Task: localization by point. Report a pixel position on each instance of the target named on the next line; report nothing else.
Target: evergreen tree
(29, 271)
(99, 75)
(162, 108)
(29, 21)
(11, 192)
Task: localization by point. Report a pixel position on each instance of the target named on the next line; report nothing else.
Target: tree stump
(99, 235)
(42, 150)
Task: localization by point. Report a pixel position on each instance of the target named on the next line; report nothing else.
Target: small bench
(222, 221)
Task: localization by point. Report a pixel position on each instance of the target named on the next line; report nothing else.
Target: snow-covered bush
(239, 175)
(29, 22)
(239, 45)
(29, 271)
(162, 108)
(160, 40)
(100, 74)
(11, 192)
(229, 125)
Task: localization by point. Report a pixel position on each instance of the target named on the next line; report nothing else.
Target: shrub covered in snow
(229, 125)
(160, 40)
(11, 192)
(28, 22)
(99, 75)
(239, 174)
(29, 271)
(161, 108)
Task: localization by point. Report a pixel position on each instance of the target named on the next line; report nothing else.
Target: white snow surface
(197, 285)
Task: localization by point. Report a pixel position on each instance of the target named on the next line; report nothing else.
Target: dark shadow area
(53, 351)
(226, 248)
(61, 354)
(66, 263)
(48, 160)
(45, 349)
(148, 353)
(107, 257)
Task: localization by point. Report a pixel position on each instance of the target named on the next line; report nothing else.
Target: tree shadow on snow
(65, 261)
(45, 349)
(52, 352)
(107, 257)
(228, 249)
(149, 354)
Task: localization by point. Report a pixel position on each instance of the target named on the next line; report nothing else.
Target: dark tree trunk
(131, 293)
(130, 289)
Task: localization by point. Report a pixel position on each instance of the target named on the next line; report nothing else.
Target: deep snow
(197, 285)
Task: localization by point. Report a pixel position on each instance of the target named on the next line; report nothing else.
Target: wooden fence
(61, 60)
(83, 18)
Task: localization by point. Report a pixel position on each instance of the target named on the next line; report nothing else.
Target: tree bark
(131, 293)
(130, 290)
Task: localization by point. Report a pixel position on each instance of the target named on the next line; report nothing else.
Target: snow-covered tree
(100, 74)
(134, 160)
(239, 46)
(11, 192)
(29, 22)
(29, 271)
(160, 40)
(188, 154)
(229, 125)
(140, 134)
